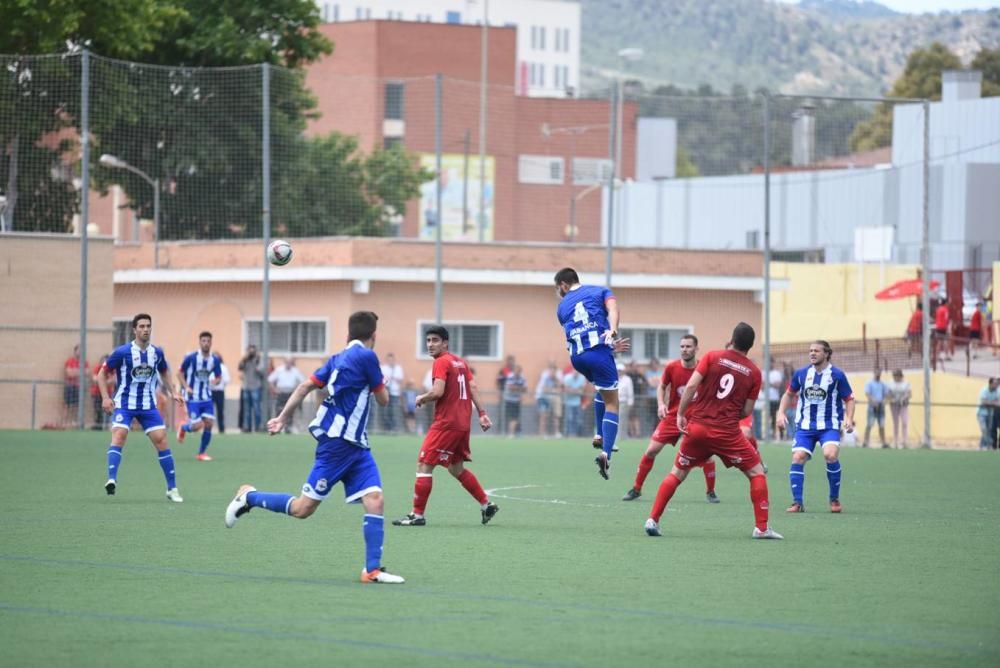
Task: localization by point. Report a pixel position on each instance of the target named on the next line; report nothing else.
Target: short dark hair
(825, 345)
(204, 334)
(692, 337)
(361, 325)
(743, 337)
(141, 316)
(437, 330)
(567, 275)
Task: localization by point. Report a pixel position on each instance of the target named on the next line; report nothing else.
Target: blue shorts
(201, 410)
(598, 366)
(805, 439)
(150, 420)
(338, 460)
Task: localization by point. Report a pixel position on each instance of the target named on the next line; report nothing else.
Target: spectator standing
(283, 381)
(546, 400)
(219, 395)
(915, 329)
(573, 384)
(409, 401)
(71, 387)
(501, 382)
(776, 383)
(898, 393)
(941, 321)
(976, 328)
(645, 393)
(513, 390)
(252, 377)
(986, 414)
(627, 409)
(875, 392)
(394, 377)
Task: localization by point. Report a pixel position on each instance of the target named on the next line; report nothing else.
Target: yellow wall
(836, 301)
(950, 425)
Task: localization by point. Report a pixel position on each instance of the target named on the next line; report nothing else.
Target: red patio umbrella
(910, 287)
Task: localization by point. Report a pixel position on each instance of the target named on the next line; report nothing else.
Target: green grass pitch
(563, 576)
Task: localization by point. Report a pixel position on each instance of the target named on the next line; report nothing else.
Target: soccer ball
(279, 252)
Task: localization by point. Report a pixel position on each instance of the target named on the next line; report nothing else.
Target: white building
(817, 213)
(548, 32)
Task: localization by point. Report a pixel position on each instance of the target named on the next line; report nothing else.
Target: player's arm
(689, 391)
(661, 400)
(182, 381)
(747, 408)
(484, 420)
(433, 394)
(781, 419)
(277, 423)
(107, 403)
(613, 315)
(849, 414)
(168, 388)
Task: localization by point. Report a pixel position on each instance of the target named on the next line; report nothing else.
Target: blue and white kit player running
(351, 378)
(198, 374)
(825, 406)
(140, 367)
(589, 317)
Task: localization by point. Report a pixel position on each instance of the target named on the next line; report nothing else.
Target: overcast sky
(919, 6)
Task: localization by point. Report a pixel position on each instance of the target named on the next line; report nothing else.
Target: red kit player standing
(447, 440)
(727, 384)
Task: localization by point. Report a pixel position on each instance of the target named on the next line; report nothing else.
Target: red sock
(667, 489)
(645, 466)
(473, 487)
(758, 497)
(709, 468)
(421, 492)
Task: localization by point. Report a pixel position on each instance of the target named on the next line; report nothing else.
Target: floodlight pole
(483, 78)
(925, 262)
(84, 220)
(265, 327)
(766, 427)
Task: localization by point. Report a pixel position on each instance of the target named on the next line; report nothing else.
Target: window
(541, 74)
(121, 332)
(649, 342)
(336, 13)
(468, 340)
(588, 171)
(291, 337)
(540, 169)
(394, 94)
(534, 37)
(389, 142)
(453, 17)
(541, 38)
(565, 39)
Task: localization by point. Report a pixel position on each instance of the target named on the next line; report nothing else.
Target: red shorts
(666, 431)
(443, 448)
(729, 445)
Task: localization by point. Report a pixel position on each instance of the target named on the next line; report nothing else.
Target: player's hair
(743, 337)
(141, 316)
(437, 330)
(567, 275)
(204, 334)
(361, 325)
(692, 337)
(825, 345)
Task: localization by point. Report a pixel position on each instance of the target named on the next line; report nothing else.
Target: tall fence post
(84, 221)
(438, 222)
(925, 262)
(613, 154)
(766, 430)
(265, 328)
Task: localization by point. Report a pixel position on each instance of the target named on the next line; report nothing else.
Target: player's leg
(609, 423)
(206, 408)
(659, 438)
(598, 420)
(373, 529)
(869, 423)
(805, 442)
(831, 453)
(430, 455)
(156, 430)
(678, 473)
(471, 484)
(761, 505)
(709, 469)
(119, 434)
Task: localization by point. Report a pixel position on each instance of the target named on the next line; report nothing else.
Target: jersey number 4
(581, 316)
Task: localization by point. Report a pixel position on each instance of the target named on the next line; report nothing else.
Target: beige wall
(40, 302)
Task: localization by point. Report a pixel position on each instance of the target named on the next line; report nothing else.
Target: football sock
(186, 427)
(598, 414)
(833, 475)
(472, 486)
(167, 464)
(797, 478)
(645, 466)
(206, 438)
(276, 502)
(373, 528)
(609, 430)
(709, 476)
(758, 497)
(114, 461)
(422, 492)
(667, 489)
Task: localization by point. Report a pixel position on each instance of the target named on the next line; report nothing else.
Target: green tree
(920, 79)
(685, 165)
(987, 61)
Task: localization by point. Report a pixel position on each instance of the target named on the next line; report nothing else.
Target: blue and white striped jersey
(350, 378)
(198, 371)
(138, 375)
(583, 314)
(821, 397)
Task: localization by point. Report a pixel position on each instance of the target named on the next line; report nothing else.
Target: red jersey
(676, 376)
(916, 323)
(941, 317)
(453, 411)
(976, 321)
(729, 378)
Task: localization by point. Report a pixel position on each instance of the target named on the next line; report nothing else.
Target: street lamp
(114, 162)
(573, 131)
(626, 55)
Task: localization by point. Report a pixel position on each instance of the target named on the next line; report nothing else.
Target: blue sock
(797, 477)
(609, 430)
(373, 527)
(186, 427)
(833, 475)
(206, 438)
(114, 461)
(598, 415)
(276, 502)
(167, 464)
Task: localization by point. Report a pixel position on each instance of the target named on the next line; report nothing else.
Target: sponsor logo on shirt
(203, 374)
(815, 393)
(143, 372)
